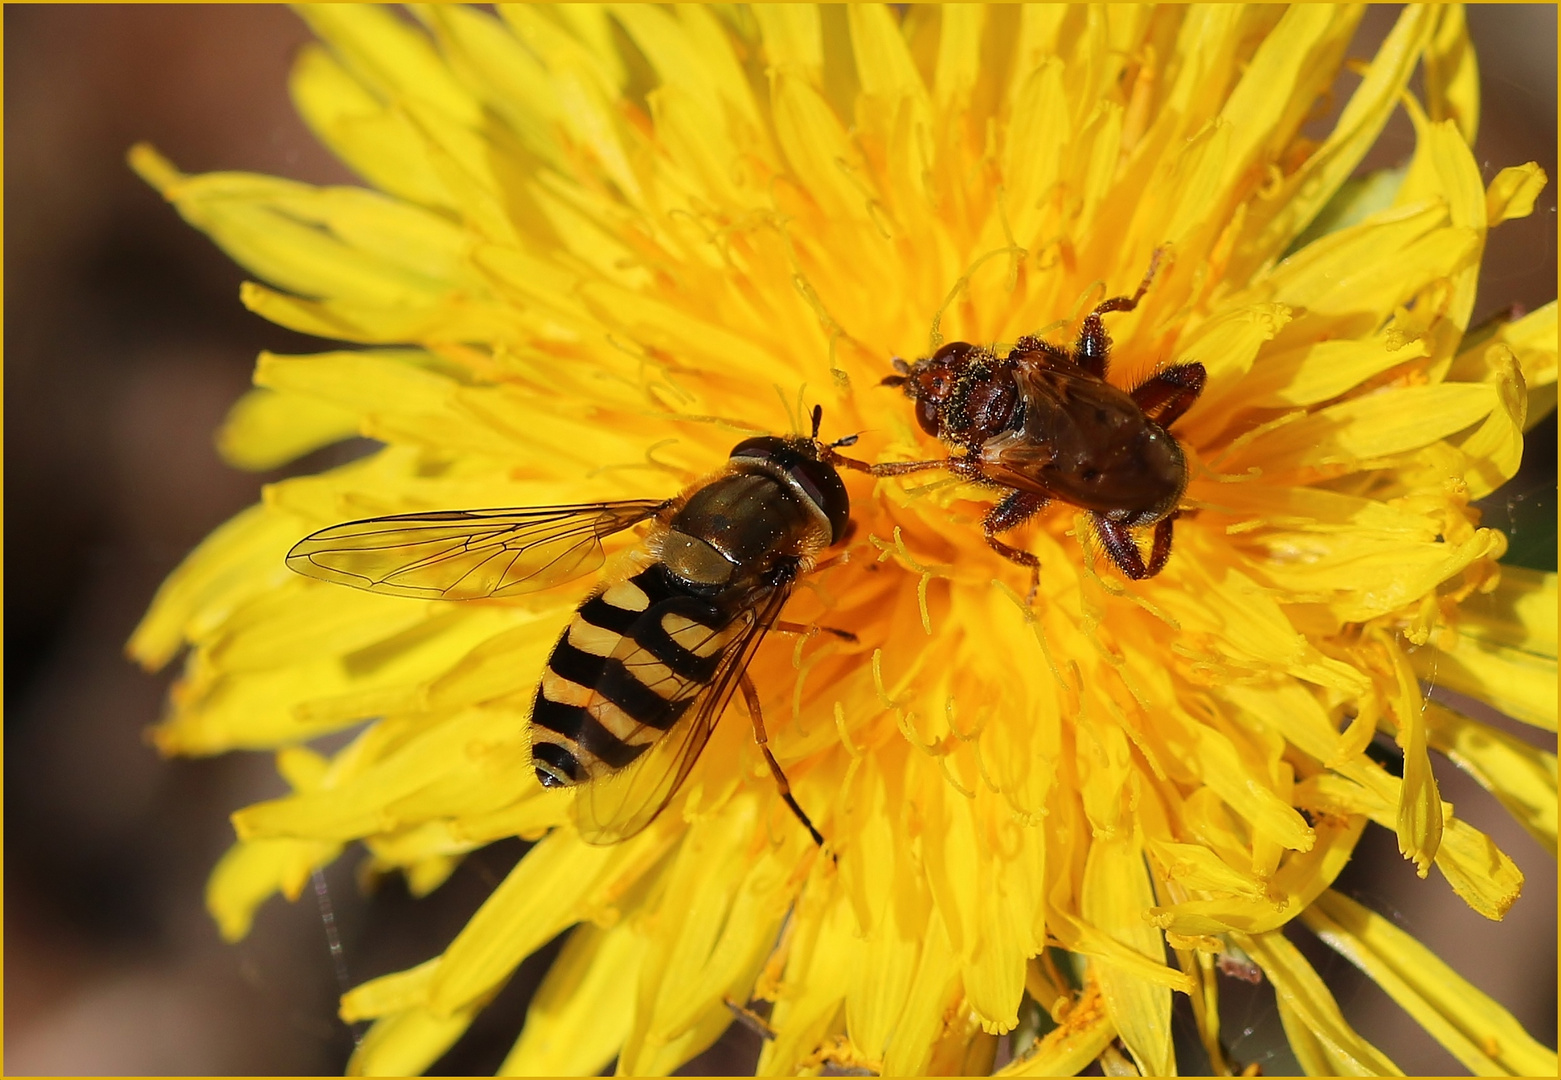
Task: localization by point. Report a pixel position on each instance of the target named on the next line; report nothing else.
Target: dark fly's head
(962, 392)
(932, 381)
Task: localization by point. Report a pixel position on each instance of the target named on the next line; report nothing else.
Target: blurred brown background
(125, 344)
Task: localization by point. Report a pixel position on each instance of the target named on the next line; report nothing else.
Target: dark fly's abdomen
(625, 670)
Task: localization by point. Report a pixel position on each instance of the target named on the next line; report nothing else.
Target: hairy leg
(1170, 393)
(1015, 509)
(1119, 544)
(889, 468)
(1029, 343)
(1092, 350)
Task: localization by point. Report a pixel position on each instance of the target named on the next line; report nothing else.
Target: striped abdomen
(631, 663)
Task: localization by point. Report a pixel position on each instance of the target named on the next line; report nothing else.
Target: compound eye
(762, 446)
(927, 412)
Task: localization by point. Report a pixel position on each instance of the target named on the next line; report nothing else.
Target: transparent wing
(467, 554)
(616, 807)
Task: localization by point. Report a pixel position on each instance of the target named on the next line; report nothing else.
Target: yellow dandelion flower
(602, 245)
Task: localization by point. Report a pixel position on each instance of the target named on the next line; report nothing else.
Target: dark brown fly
(649, 661)
(1042, 423)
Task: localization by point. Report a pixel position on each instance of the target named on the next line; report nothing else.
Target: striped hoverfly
(650, 660)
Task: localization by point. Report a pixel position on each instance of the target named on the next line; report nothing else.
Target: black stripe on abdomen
(609, 678)
(582, 729)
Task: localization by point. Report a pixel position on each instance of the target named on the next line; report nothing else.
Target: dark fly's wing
(616, 807)
(1021, 459)
(467, 554)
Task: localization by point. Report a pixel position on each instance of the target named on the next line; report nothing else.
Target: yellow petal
(792, 38)
(1358, 432)
(1291, 65)
(1479, 872)
(487, 58)
(927, 1003)
(1474, 1028)
(814, 143)
(1519, 679)
(1519, 612)
(1301, 877)
(1305, 192)
(1495, 449)
(959, 55)
(1419, 824)
(883, 62)
(1304, 1000)
(1193, 866)
(1315, 372)
(250, 872)
(377, 141)
(390, 56)
(1512, 194)
(1117, 896)
(1229, 774)
(1533, 340)
(1226, 346)
(808, 978)
(560, 881)
(266, 429)
(1244, 623)
(898, 924)
(581, 1013)
(586, 79)
(389, 994)
(1337, 274)
(347, 243)
(1452, 74)
(692, 53)
(1365, 578)
(717, 918)
(243, 557)
(1522, 777)
(1444, 166)
(365, 805)
(1032, 154)
(270, 707)
(1068, 1049)
(408, 1043)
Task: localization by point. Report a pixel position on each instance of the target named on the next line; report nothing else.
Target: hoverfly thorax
(801, 464)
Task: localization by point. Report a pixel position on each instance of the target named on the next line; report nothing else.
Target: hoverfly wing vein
(467, 554)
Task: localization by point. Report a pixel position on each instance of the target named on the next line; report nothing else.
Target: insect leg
(1029, 343)
(1161, 551)
(760, 736)
(1170, 393)
(1014, 510)
(802, 628)
(1124, 551)
(1093, 348)
(887, 468)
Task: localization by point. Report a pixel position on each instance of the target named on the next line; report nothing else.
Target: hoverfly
(1043, 423)
(648, 663)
